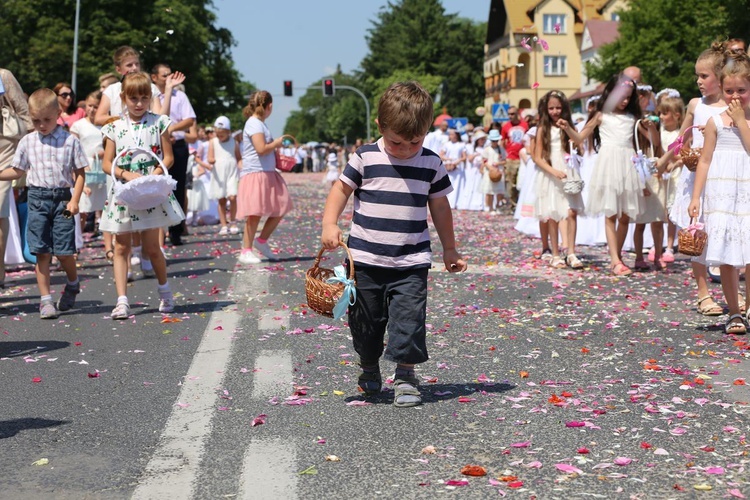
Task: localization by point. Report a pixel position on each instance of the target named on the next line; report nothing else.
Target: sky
(303, 41)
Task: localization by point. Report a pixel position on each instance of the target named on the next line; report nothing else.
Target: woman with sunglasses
(69, 110)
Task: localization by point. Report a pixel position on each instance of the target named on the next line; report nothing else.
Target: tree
(664, 39)
(418, 36)
(38, 45)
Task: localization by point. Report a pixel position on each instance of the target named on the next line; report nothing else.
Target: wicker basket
(691, 241)
(283, 162)
(690, 157)
(322, 296)
(496, 175)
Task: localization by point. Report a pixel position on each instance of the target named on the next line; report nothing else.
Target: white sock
(122, 299)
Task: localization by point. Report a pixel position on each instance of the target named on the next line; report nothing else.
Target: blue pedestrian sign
(458, 124)
(500, 112)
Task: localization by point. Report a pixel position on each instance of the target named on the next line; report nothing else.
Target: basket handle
(676, 146)
(290, 136)
(316, 264)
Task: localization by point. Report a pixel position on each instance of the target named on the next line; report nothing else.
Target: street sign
(500, 112)
(459, 124)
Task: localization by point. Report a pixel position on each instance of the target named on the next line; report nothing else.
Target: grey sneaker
(68, 298)
(121, 311)
(166, 302)
(47, 310)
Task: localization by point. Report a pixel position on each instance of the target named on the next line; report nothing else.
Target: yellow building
(534, 46)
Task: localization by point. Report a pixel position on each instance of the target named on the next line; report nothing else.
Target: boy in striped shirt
(395, 182)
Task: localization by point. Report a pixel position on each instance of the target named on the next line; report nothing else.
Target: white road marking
(273, 374)
(173, 469)
(262, 476)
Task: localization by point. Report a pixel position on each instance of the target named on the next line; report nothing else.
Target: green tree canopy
(409, 40)
(38, 46)
(665, 37)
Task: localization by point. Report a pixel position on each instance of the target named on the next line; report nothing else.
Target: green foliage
(664, 38)
(38, 46)
(409, 40)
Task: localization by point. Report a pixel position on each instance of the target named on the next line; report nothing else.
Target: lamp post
(367, 105)
(75, 46)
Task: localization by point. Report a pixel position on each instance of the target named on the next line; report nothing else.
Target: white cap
(222, 122)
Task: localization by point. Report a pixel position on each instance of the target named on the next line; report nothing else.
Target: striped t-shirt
(389, 228)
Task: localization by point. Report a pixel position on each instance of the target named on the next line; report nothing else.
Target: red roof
(602, 32)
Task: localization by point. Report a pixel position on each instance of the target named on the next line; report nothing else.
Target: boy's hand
(331, 236)
(174, 79)
(72, 207)
(453, 261)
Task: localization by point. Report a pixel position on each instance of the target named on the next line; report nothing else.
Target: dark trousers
(178, 173)
(394, 300)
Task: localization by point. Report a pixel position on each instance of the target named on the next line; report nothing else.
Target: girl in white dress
(95, 191)
(453, 154)
(493, 156)
(724, 171)
(552, 204)
(590, 229)
(223, 156)
(615, 190)
(138, 129)
(671, 114)
(708, 68)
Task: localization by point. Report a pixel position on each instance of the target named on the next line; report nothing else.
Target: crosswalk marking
(267, 470)
(273, 374)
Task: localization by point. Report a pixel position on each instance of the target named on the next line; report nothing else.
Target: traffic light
(288, 88)
(329, 88)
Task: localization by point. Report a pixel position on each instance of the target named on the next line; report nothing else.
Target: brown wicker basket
(690, 157)
(496, 175)
(691, 242)
(322, 296)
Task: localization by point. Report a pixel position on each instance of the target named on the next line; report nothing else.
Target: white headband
(645, 88)
(668, 93)
(592, 99)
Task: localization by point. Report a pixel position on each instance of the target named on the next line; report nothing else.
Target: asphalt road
(560, 384)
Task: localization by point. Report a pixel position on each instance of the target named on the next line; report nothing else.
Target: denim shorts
(394, 300)
(47, 230)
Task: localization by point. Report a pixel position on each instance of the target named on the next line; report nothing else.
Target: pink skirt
(263, 194)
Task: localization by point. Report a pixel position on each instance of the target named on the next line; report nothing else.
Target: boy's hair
(714, 56)
(155, 68)
(136, 84)
(735, 64)
(257, 104)
(544, 130)
(672, 104)
(43, 100)
(123, 52)
(97, 94)
(406, 109)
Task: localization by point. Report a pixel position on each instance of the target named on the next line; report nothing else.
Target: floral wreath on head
(668, 93)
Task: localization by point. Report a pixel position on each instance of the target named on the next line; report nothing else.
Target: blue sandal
(370, 382)
(406, 392)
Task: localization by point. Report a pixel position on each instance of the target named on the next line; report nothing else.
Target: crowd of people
(127, 163)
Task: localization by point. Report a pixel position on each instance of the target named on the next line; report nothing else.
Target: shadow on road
(9, 428)
(15, 349)
(433, 393)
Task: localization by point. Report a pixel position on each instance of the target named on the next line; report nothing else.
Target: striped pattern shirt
(49, 160)
(389, 227)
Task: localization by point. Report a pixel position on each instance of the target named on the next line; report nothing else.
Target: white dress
(590, 228)
(551, 201)
(679, 212)
(118, 218)
(615, 188)
(471, 197)
(487, 186)
(726, 200)
(225, 177)
(197, 196)
(453, 151)
(91, 141)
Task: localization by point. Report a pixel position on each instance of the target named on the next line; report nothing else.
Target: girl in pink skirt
(262, 190)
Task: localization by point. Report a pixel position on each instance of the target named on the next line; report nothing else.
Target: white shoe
(486, 209)
(223, 231)
(121, 311)
(135, 259)
(248, 257)
(265, 249)
(166, 303)
(147, 269)
(233, 229)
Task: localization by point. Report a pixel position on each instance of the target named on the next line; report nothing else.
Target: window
(552, 20)
(555, 65)
(615, 16)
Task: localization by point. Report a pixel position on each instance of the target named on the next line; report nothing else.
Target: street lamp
(75, 46)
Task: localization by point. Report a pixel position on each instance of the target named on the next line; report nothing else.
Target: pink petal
(536, 464)
(715, 470)
(736, 493)
(569, 469)
(260, 419)
(575, 424)
(543, 43)
(623, 461)
(557, 28)
(453, 482)
(522, 444)
(358, 402)
(535, 85)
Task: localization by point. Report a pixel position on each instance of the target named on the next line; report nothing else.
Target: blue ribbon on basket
(643, 166)
(349, 297)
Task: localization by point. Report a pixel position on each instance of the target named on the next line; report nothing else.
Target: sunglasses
(65, 95)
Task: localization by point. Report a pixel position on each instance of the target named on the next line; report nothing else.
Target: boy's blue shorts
(47, 230)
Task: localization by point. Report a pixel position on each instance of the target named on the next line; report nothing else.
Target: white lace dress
(726, 200)
(551, 201)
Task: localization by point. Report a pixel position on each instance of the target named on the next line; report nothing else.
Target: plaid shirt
(49, 160)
